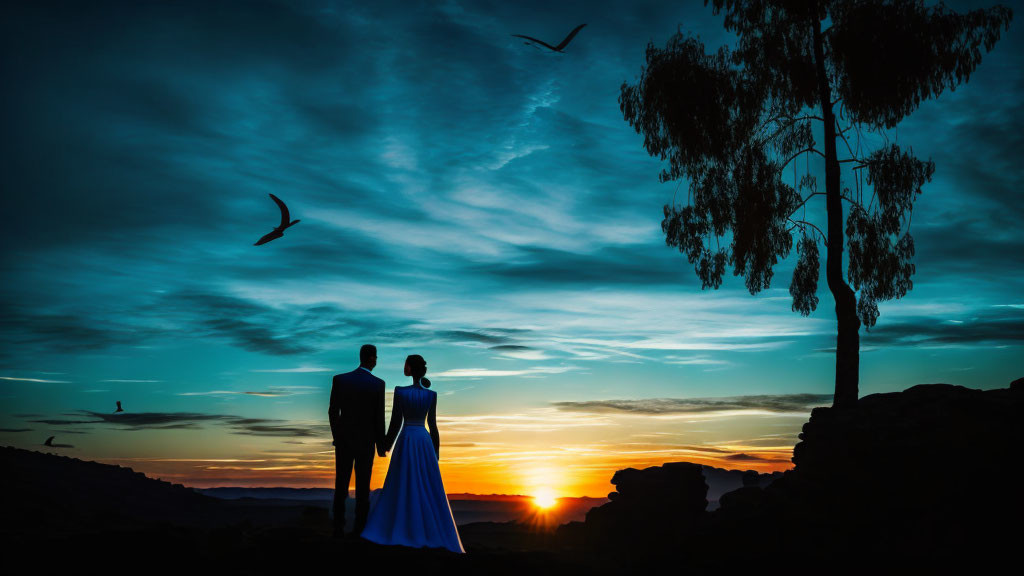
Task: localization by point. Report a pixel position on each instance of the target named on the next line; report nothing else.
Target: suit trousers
(362, 458)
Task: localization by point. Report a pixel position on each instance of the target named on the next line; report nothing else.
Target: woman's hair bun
(425, 382)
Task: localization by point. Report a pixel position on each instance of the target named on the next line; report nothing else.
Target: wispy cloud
(519, 352)
(782, 403)
(537, 371)
(39, 380)
(995, 325)
(269, 392)
(743, 457)
(296, 370)
(195, 420)
(698, 360)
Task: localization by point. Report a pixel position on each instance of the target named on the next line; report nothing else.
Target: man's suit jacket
(356, 412)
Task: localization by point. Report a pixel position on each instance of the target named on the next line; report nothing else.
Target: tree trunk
(848, 340)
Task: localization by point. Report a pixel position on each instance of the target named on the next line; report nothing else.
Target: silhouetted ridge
(58, 493)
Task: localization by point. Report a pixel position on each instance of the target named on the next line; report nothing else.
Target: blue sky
(462, 196)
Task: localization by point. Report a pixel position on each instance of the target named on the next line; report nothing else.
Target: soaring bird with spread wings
(560, 46)
(279, 230)
(49, 442)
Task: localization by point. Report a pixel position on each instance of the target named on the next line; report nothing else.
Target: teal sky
(462, 196)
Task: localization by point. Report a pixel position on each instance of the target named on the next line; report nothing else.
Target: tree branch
(842, 135)
(802, 223)
(789, 124)
(804, 201)
(793, 157)
(854, 202)
(791, 120)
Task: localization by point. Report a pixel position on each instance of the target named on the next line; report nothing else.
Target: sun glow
(544, 498)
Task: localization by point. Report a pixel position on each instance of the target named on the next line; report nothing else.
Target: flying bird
(119, 409)
(560, 46)
(49, 442)
(285, 224)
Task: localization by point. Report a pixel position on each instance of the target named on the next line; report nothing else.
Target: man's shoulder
(344, 376)
(358, 375)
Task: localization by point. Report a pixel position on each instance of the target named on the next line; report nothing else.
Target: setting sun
(544, 498)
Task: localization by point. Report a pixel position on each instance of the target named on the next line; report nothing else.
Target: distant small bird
(560, 46)
(118, 407)
(285, 224)
(49, 442)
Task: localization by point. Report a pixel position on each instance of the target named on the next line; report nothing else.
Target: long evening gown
(412, 508)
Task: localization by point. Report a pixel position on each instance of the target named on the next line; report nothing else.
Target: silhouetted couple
(412, 508)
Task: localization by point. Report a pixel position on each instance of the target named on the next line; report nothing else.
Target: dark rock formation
(651, 506)
(919, 479)
(911, 477)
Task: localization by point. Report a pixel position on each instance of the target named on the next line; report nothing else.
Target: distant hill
(721, 481)
(301, 494)
(42, 491)
(467, 508)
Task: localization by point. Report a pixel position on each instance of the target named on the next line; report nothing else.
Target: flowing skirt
(412, 508)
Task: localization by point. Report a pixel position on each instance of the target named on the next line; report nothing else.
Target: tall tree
(729, 122)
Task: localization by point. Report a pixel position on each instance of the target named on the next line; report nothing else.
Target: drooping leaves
(702, 114)
(760, 231)
(683, 105)
(879, 268)
(804, 287)
(896, 177)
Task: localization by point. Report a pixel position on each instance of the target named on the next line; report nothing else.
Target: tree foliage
(730, 121)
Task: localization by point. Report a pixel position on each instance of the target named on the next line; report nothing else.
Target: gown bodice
(414, 402)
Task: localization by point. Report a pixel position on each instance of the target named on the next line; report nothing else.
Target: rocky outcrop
(917, 476)
(919, 479)
(650, 506)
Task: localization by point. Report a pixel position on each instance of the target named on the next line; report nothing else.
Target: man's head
(368, 356)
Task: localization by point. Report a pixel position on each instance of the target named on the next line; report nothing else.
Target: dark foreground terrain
(66, 514)
(913, 481)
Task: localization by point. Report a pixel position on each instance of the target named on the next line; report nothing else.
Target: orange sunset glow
(543, 453)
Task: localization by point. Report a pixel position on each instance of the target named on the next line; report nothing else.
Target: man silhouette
(356, 414)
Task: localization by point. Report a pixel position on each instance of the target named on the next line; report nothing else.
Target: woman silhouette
(412, 509)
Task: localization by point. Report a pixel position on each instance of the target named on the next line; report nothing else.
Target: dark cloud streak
(656, 406)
